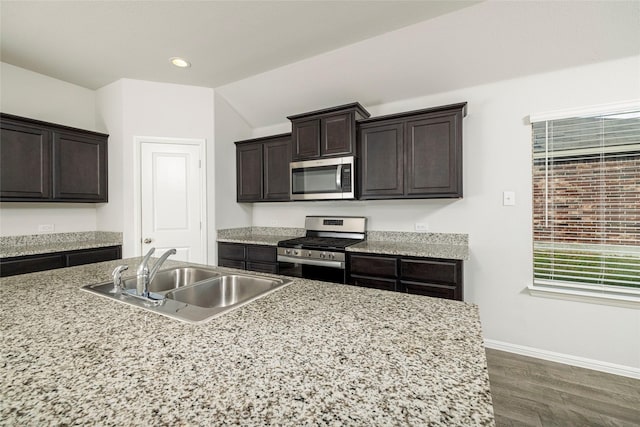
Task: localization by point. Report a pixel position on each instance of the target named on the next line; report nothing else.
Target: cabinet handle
(147, 241)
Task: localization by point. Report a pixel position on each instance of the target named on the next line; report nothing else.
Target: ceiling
(271, 59)
(94, 43)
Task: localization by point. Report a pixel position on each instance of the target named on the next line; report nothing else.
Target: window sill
(621, 299)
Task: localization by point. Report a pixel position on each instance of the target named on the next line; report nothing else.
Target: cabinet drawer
(91, 256)
(261, 253)
(231, 263)
(368, 282)
(437, 291)
(262, 267)
(30, 264)
(231, 251)
(446, 272)
(377, 266)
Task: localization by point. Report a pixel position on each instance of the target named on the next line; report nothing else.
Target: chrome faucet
(145, 276)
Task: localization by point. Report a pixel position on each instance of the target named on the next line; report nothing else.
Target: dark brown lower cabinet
(260, 258)
(441, 278)
(41, 262)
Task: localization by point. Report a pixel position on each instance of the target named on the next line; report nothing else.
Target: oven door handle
(317, 262)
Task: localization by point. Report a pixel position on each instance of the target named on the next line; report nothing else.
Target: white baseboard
(582, 362)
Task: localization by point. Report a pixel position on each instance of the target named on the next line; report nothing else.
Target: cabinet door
(259, 253)
(434, 156)
(89, 256)
(231, 263)
(25, 162)
(381, 151)
(235, 251)
(80, 167)
(376, 266)
(445, 272)
(249, 172)
(277, 155)
(262, 267)
(337, 135)
(375, 283)
(306, 139)
(436, 291)
(30, 264)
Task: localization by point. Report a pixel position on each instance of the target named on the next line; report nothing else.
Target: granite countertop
(13, 246)
(310, 353)
(258, 235)
(417, 249)
(428, 245)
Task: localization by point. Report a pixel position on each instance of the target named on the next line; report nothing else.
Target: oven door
(326, 271)
(323, 179)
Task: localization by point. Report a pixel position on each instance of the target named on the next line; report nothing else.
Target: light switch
(509, 198)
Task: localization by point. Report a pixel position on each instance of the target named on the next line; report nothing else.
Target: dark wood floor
(534, 392)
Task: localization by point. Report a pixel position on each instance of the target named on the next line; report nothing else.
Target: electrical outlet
(421, 226)
(509, 198)
(46, 228)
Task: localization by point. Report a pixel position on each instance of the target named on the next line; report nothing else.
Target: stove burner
(319, 242)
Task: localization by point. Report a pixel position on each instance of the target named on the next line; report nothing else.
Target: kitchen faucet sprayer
(117, 278)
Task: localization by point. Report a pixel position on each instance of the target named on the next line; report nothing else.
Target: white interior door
(171, 200)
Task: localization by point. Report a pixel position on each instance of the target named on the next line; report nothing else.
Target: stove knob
(296, 253)
(309, 253)
(287, 251)
(333, 256)
(323, 255)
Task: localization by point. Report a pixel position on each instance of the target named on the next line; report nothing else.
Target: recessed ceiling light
(180, 62)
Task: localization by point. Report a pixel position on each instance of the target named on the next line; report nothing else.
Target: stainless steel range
(320, 254)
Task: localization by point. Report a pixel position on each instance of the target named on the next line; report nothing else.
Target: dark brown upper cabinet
(79, 167)
(326, 133)
(262, 169)
(416, 154)
(45, 162)
(25, 161)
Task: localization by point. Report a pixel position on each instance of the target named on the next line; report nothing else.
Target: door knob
(147, 240)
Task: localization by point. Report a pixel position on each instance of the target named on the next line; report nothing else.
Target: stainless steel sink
(193, 294)
(174, 278)
(224, 291)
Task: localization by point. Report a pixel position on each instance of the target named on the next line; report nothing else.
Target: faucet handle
(117, 278)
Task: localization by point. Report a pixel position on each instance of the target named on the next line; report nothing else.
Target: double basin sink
(193, 294)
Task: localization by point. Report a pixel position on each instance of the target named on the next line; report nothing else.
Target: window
(586, 203)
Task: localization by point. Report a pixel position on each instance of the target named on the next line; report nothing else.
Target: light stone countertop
(269, 236)
(417, 249)
(13, 246)
(312, 353)
(427, 245)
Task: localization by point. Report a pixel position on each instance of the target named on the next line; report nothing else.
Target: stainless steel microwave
(323, 179)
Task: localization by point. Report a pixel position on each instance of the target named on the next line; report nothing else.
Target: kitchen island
(312, 353)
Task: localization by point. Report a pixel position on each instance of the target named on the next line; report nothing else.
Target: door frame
(137, 186)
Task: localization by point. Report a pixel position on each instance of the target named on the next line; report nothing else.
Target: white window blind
(586, 202)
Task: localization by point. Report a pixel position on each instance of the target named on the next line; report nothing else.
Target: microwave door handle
(339, 176)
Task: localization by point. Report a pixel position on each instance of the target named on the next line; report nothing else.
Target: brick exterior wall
(589, 196)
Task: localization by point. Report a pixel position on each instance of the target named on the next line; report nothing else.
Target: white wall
(497, 157)
(134, 108)
(110, 115)
(230, 127)
(28, 94)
